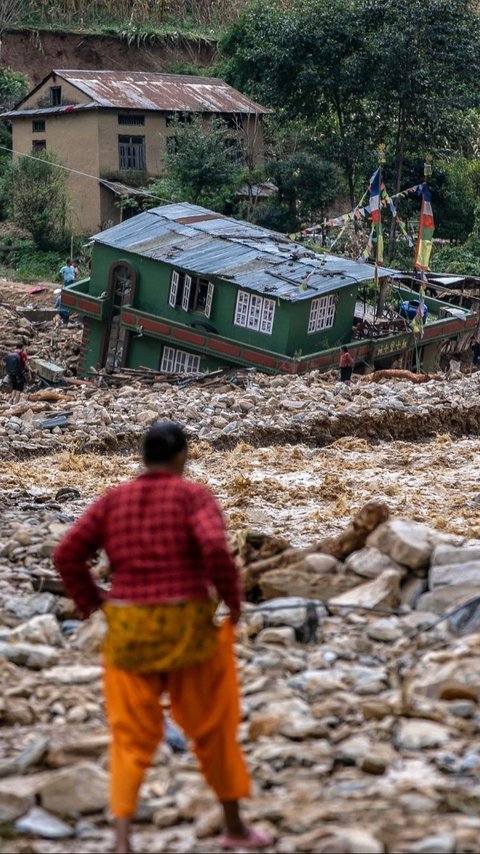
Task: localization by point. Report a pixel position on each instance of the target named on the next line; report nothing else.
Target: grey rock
(83, 788)
(40, 823)
(454, 574)
(445, 554)
(34, 656)
(371, 562)
(415, 734)
(26, 607)
(407, 543)
(386, 630)
(439, 843)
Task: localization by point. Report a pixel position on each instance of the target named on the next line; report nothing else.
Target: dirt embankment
(35, 52)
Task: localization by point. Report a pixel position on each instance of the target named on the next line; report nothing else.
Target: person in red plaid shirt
(170, 564)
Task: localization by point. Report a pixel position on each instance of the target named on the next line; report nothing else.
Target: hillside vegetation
(137, 18)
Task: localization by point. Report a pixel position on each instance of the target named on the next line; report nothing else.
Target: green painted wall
(290, 327)
(144, 351)
(340, 333)
(91, 343)
(153, 286)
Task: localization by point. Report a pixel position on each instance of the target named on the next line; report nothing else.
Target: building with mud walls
(117, 127)
(180, 288)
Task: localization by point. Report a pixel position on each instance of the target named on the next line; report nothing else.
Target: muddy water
(298, 492)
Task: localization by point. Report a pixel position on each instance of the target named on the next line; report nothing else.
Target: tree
(39, 198)
(306, 184)
(368, 71)
(303, 60)
(13, 87)
(201, 165)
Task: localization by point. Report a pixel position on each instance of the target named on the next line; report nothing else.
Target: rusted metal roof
(49, 111)
(193, 239)
(138, 90)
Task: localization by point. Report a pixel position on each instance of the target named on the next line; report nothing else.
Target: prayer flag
(425, 230)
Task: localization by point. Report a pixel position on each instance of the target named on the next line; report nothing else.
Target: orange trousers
(204, 702)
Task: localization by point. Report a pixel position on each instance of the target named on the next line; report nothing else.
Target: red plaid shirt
(165, 539)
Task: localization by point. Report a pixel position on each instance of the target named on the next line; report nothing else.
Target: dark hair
(345, 349)
(162, 442)
(20, 345)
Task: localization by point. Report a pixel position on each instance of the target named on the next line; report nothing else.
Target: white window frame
(174, 281)
(209, 300)
(268, 316)
(322, 313)
(179, 361)
(241, 308)
(187, 287)
(168, 360)
(254, 312)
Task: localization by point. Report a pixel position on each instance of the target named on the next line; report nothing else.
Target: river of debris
(362, 732)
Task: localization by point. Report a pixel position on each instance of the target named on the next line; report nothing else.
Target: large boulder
(442, 599)
(454, 574)
(382, 591)
(83, 788)
(317, 576)
(408, 543)
(445, 554)
(370, 563)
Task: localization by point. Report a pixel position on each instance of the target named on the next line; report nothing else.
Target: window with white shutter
(186, 293)
(208, 302)
(172, 299)
(322, 313)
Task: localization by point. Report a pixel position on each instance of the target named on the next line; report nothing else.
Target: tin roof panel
(244, 254)
(139, 90)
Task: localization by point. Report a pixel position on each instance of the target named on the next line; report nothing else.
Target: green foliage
(30, 264)
(39, 198)
(307, 185)
(277, 216)
(13, 87)
(373, 70)
(463, 260)
(200, 169)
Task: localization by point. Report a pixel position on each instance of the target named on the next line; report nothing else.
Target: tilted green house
(181, 288)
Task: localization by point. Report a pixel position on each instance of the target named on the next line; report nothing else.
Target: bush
(39, 198)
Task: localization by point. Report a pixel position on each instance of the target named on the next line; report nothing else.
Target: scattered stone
(417, 734)
(34, 656)
(39, 822)
(75, 675)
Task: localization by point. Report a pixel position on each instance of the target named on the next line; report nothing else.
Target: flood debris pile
(362, 729)
(44, 338)
(261, 410)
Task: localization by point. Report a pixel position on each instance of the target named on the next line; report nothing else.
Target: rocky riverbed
(362, 728)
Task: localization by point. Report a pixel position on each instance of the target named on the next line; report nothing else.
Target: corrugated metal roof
(239, 252)
(49, 111)
(138, 90)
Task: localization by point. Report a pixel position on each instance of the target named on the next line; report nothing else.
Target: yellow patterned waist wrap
(159, 638)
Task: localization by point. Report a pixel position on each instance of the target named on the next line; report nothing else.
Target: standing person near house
(17, 371)
(346, 364)
(68, 273)
(62, 312)
(161, 635)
